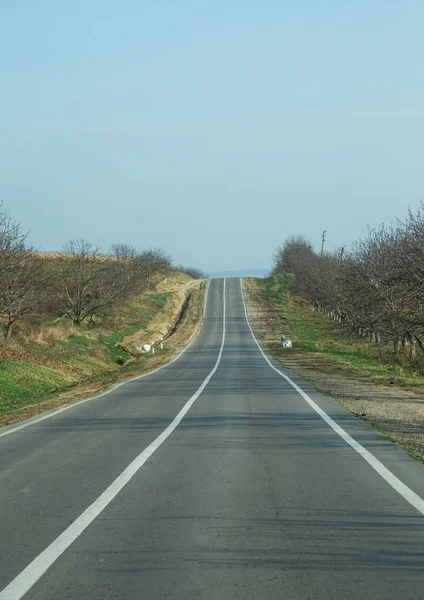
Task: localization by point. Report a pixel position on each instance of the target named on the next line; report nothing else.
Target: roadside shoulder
(396, 412)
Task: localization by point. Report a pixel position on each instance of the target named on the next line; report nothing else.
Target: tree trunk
(420, 344)
(7, 329)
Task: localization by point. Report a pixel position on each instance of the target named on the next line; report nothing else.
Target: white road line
(387, 475)
(32, 573)
(112, 389)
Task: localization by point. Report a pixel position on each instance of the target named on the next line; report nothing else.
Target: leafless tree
(150, 262)
(89, 282)
(84, 284)
(20, 274)
(192, 272)
(376, 289)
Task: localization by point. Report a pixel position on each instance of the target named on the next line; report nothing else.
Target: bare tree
(89, 282)
(192, 272)
(134, 269)
(126, 269)
(20, 274)
(151, 261)
(84, 285)
(376, 289)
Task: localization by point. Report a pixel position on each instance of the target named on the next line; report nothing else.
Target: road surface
(212, 478)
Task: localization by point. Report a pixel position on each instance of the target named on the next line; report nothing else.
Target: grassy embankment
(326, 346)
(48, 364)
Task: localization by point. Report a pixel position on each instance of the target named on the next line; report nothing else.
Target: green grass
(330, 347)
(78, 342)
(158, 300)
(140, 317)
(117, 354)
(276, 288)
(23, 383)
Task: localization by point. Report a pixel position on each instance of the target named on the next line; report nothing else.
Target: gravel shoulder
(396, 412)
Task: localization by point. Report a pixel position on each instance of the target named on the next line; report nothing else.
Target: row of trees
(87, 282)
(79, 282)
(376, 289)
(192, 272)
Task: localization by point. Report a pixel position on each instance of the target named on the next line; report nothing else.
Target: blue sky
(212, 129)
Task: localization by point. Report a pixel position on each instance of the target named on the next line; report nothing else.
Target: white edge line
(36, 569)
(57, 411)
(409, 495)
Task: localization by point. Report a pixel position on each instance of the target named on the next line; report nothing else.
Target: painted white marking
(53, 413)
(32, 573)
(409, 495)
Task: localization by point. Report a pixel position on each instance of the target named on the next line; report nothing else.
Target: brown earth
(396, 412)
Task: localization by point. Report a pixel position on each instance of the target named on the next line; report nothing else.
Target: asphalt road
(250, 494)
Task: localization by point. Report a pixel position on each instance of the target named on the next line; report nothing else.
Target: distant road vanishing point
(220, 476)
(245, 273)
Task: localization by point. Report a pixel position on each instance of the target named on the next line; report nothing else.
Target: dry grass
(57, 256)
(48, 334)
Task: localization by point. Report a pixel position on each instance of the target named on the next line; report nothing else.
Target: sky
(212, 129)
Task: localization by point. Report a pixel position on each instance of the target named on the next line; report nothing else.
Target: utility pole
(323, 241)
(342, 252)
